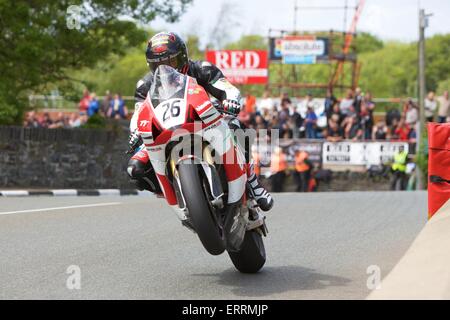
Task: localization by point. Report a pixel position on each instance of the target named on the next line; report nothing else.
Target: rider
(167, 48)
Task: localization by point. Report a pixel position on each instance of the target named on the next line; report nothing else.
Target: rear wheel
(203, 218)
(252, 255)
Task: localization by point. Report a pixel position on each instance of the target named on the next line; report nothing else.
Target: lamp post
(423, 24)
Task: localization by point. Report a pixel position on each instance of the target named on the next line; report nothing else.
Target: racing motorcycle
(201, 168)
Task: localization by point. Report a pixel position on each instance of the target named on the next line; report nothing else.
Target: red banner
(241, 66)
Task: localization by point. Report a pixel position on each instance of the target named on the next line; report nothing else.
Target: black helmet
(169, 49)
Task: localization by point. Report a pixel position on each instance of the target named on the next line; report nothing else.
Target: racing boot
(257, 191)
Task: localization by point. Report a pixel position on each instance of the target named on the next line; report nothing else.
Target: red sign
(241, 66)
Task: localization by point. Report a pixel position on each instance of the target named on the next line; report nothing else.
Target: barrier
(438, 166)
(351, 155)
(423, 272)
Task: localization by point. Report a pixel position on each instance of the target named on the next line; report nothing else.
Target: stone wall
(62, 158)
(91, 159)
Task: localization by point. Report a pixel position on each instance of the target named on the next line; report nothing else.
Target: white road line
(63, 208)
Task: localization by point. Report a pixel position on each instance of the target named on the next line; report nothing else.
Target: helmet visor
(172, 61)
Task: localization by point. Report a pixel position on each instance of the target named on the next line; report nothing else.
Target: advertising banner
(360, 153)
(299, 49)
(241, 66)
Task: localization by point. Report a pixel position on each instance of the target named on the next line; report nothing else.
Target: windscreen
(167, 84)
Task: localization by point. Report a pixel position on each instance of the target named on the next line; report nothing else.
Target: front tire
(252, 256)
(203, 219)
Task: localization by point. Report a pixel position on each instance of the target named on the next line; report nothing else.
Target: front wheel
(204, 220)
(252, 255)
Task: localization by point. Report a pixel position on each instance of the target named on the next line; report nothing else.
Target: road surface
(319, 247)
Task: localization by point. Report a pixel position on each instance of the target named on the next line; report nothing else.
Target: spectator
(336, 115)
(392, 129)
(94, 105)
(45, 121)
(303, 169)
(74, 120)
(411, 113)
(358, 100)
(31, 120)
(444, 108)
(353, 130)
(365, 121)
(58, 123)
(297, 123)
(250, 104)
(330, 101)
(310, 123)
(278, 167)
(430, 106)
(260, 122)
(402, 131)
(117, 109)
(84, 102)
(380, 131)
(106, 103)
(334, 132)
(266, 102)
(392, 115)
(347, 103)
(283, 116)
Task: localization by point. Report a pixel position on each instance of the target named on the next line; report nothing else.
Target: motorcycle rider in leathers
(167, 48)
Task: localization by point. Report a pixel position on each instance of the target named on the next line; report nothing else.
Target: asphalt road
(319, 247)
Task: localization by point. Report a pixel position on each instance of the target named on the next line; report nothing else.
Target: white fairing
(171, 113)
(236, 189)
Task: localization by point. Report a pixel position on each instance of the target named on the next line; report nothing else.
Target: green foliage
(37, 47)
(444, 85)
(365, 42)
(8, 113)
(193, 46)
(390, 71)
(249, 42)
(437, 52)
(422, 158)
(96, 121)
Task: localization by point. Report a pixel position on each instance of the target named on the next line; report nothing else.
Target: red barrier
(438, 166)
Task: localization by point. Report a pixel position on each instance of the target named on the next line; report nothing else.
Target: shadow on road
(274, 280)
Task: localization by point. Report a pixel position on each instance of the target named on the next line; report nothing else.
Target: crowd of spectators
(330, 118)
(61, 120)
(349, 118)
(111, 106)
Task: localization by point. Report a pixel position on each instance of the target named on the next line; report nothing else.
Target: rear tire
(252, 256)
(202, 217)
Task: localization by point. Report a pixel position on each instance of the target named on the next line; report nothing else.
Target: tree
(41, 40)
(366, 42)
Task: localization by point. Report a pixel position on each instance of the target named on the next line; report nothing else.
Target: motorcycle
(201, 168)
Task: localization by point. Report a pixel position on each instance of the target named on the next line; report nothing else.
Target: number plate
(171, 113)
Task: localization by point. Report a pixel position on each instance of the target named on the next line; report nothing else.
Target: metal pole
(421, 127)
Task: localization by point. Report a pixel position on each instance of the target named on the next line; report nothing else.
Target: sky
(387, 19)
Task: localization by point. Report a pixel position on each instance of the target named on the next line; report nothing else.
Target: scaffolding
(344, 68)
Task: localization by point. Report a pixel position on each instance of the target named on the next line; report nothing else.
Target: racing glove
(134, 141)
(231, 106)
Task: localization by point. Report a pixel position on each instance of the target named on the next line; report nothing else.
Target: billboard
(241, 66)
(360, 153)
(299, 49)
